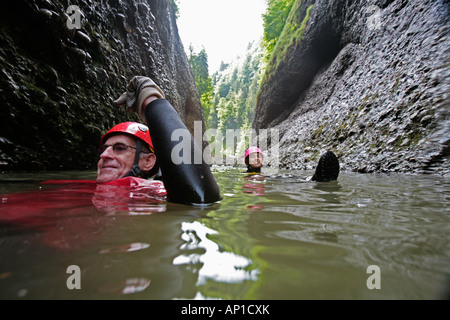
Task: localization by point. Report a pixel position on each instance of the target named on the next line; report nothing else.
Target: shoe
(327, 168)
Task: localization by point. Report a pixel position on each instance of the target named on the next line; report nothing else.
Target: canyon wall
(62, 68)
(368, 80)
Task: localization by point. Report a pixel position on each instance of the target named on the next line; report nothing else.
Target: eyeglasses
(118, 148)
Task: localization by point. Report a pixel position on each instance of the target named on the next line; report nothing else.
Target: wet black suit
(186, 183)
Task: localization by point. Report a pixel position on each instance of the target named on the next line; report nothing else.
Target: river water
(365, 236)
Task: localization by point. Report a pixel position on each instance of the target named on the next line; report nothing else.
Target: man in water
(117, 159)
(187, 182)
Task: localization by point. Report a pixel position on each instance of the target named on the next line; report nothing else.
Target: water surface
(271, 237)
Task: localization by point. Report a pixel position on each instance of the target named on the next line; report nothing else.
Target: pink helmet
(252, 150)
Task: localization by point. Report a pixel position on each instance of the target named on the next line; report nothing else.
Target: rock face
(370, 81)
(59, 76)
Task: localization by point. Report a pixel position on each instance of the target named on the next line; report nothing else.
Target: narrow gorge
(367, 79)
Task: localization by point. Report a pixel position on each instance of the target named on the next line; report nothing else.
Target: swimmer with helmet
(327, 168)
(253, 158)
(132, 149)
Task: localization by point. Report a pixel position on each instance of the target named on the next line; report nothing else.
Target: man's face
(113, 166)
(255, 160)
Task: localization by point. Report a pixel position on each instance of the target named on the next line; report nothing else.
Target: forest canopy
(228, 96)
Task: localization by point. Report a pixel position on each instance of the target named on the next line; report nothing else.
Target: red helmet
(252, 150)
(135, 129)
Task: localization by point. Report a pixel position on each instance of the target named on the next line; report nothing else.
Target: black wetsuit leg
(186, 183)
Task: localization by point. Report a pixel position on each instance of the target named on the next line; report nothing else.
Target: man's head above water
(126, 150)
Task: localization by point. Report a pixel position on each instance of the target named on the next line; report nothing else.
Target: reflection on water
(214, 264)
(126, 248)
(271, 237)
(127, 286)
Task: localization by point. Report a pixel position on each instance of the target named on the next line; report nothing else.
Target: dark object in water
(327, 168)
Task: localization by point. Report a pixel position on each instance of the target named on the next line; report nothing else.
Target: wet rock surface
(59, 76)
(378, 97)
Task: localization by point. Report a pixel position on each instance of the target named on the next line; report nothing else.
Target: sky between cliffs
(223, 27)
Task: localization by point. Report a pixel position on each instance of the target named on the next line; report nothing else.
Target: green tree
(235, 90)
(176, 10)
(199, 66)
(274, 21)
